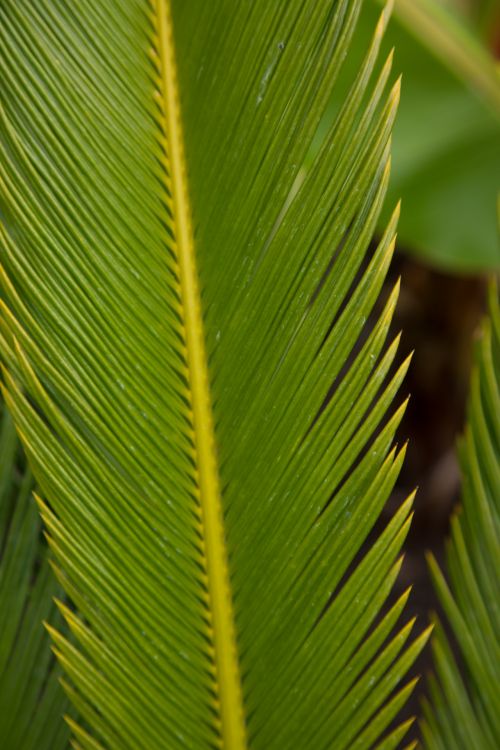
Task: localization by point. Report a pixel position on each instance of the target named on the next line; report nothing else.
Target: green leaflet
(32, 702)
(464, 711)
(190, 367)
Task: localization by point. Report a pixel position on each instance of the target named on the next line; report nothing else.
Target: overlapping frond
(464, 706)
(32, 702)
(191, 370)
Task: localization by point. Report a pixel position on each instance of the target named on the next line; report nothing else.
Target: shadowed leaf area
(31, 700)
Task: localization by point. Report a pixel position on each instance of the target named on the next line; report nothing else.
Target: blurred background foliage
(446, 143)
(446, 157)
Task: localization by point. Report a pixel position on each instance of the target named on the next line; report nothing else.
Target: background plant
(464, 708)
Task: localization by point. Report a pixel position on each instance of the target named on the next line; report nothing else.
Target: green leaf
(32, 702)
(464, 710)
(447, 139)
(450, 41)
(446, 154)
(189, 365)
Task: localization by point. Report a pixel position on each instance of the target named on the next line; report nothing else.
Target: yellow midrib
(224, 637)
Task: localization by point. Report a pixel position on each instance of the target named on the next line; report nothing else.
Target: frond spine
(224, 637)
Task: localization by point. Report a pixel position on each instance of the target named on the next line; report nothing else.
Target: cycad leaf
(464, 711)
(190, 369)
(31, 700)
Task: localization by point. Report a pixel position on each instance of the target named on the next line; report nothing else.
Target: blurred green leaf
(446, 142)
(447, 139)
(449, 40)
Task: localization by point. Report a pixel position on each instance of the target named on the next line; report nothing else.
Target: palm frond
(191, 371)
(464, 708)
(32, 702)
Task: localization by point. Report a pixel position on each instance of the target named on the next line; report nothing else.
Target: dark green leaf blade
(464, 710)
(32, 702)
